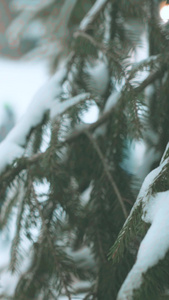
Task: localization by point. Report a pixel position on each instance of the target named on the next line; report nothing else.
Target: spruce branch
(19, 165)
(106, 115)
(49, 239)
(7, 208)
(107, 172)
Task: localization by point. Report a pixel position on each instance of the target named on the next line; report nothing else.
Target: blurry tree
(68, 180)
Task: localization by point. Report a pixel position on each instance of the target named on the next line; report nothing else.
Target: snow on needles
(46, 99)
(155, 244)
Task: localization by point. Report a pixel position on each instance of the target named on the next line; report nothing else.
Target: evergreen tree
(68, 180)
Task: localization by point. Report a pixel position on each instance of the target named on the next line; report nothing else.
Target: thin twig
(109, 176)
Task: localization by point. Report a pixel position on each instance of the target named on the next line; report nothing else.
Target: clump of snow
(91, 115)
(12, 146)
(58, 108)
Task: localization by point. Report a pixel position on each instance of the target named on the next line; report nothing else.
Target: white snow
(58, 108)
(91, 115)
(91, 14)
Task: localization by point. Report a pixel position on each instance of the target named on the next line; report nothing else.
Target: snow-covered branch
(46, 99)
(154, 246)
(13, 145)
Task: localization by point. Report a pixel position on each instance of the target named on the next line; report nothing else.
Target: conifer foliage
(79, 227)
